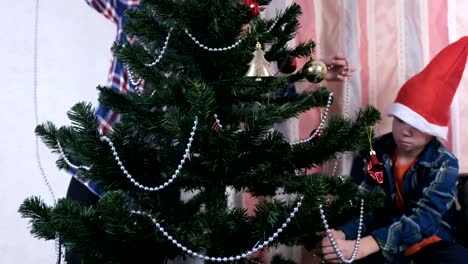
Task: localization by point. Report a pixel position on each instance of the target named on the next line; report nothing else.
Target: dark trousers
(441, 252)
(78, 192)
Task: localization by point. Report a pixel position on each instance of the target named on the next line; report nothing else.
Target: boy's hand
(338, 68)
(367, 246)
(327, 250)
(337, 234)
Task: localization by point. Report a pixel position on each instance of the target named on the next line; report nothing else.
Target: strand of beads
(213, 49)
(165, 184)
(163, 51)
(230, 258)
(332, 239)
(345, 115)
(71, 165)
(134, 81)
(239, 41)
(320, 126)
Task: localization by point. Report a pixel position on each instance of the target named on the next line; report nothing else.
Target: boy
(420, 174)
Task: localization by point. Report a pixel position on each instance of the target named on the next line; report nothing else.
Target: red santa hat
(424, 100)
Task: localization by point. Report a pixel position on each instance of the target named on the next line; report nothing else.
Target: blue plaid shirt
(118, 74)
(429, 191)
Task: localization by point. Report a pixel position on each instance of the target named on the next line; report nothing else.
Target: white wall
(74, 58)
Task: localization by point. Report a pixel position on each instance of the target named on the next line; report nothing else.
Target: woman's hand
(338, 68)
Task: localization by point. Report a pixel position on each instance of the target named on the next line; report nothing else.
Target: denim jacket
(429, 191)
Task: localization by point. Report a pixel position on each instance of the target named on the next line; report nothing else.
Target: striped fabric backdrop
(389, 42)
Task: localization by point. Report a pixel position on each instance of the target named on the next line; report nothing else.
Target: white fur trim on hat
(415, 120)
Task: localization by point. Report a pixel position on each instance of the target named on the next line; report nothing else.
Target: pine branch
(48, 133)
(39, 215)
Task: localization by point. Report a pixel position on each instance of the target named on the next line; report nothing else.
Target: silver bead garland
(332, 239)
(196, 41)
(137, 82)
(320, 126)
(345, 115)
(213, 49)
(165, 184)
(132, 78)
(163, 50)
(335, 167)
(246, 254)
(71, 165)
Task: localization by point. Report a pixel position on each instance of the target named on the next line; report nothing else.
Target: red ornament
(216, 127)
(288, 66)
(375, 167)
(254, 7)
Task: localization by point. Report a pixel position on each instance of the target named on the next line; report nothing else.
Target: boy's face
(408, 138)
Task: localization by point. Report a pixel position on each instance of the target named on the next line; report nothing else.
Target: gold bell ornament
(259, 67)
(314, 71)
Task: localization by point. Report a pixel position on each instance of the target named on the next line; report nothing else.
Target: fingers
(342, 76)
(331, 258)
(328, 253)
(336, 61)
(333, 261)
(345, 73)
(339, 68)
(325, 242)
(327, 250)
(339, 56)
(339, 62)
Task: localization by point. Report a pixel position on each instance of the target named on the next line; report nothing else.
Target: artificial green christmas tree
(200, 126)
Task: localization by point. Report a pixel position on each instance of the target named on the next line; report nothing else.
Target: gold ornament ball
(314, 71)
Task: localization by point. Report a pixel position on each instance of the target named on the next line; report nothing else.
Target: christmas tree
(201, 126)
